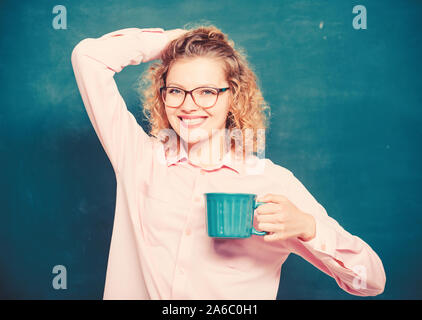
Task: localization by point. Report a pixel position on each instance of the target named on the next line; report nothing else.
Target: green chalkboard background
(346, 119)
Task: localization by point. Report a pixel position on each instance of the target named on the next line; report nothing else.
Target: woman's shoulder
(266, 167)
(276, 170)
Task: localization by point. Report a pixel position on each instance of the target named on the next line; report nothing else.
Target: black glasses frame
(190, 92)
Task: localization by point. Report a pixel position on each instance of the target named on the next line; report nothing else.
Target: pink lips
(190, 125)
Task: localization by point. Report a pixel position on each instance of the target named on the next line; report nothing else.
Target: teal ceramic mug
(230, 215)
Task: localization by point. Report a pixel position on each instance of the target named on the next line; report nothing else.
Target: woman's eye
(208, 92)
(174, 91)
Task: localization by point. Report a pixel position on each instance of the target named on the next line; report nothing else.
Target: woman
(201, 90)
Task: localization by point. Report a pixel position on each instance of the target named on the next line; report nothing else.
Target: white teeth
(193, 121)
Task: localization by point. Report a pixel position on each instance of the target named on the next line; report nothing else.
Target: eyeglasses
(204, 97)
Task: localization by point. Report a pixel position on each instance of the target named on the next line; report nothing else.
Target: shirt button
(197, 199)
(181, 271)
(188, 231)
(202, 172)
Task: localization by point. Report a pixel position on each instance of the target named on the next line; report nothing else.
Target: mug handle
(258, 233)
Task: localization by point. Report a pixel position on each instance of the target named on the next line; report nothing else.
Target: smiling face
(191, 122)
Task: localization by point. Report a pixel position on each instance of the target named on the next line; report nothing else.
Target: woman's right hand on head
(175, 33)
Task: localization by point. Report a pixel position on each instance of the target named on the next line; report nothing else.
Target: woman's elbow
(365, 285)
(81, 48)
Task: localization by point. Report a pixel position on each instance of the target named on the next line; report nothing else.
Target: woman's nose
(189, 104)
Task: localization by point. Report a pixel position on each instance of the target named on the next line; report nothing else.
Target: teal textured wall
(346, 119)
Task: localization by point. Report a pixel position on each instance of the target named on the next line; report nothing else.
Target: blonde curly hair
(248, 109)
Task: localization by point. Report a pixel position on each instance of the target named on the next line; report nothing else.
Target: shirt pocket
(233, 254)
(161, 216)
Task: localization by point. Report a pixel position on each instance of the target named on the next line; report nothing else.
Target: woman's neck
(208, 152)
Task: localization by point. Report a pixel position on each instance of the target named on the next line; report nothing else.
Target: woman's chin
(194, 136)
(191, 141)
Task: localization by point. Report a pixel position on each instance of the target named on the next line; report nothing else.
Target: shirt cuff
(150, 42)
(324, 241)
(157, 40)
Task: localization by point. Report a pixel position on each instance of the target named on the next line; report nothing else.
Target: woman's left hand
(283, 220)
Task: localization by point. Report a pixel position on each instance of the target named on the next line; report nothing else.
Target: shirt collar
(227, 161)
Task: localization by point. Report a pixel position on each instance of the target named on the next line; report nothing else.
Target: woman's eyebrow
(202, 85)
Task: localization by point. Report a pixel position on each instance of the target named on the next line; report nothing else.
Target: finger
(271, 218)
(271, 197)
(270, 227)
(268, 208)
(271, 237)
(279, 236)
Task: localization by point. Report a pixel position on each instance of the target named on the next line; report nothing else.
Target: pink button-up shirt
(159, 247)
